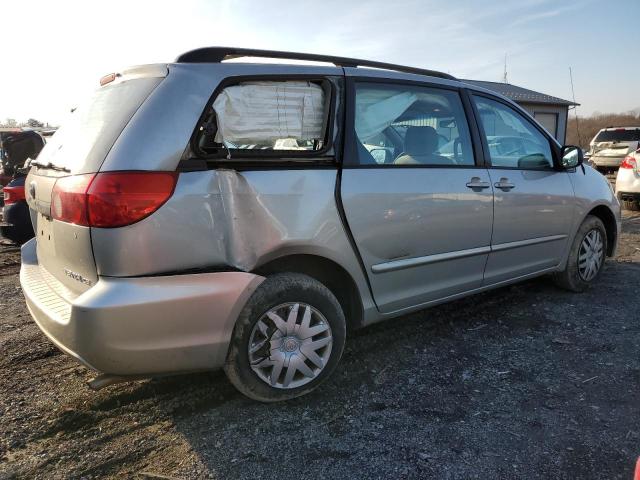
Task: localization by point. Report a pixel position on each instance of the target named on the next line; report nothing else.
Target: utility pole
(504, 76)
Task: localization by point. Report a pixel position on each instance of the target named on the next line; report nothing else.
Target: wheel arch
(608, 218)
(328, 272)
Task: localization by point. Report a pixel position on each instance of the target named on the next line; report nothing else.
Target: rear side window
(408, 125)
(513, 141)
(618, 135)
(262, 116)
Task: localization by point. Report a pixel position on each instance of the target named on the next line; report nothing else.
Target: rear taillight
(111, 199)
(116, 199)
(69, 199)
(628, 162)
(13, 194)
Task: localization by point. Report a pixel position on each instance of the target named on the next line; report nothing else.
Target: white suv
(612, 144)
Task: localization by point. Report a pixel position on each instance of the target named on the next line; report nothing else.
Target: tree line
(32, 122)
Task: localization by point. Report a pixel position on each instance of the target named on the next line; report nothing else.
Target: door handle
(476, 183)
(504, 184)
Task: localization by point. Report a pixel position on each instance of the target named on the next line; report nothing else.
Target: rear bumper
(607, 161)
(142, 325)
(628, 183)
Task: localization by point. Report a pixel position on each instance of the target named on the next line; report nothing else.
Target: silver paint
(540, 205)
(407, 213)
(225, 218)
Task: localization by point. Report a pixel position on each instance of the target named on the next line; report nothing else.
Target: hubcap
(290, 353)
(591, 255)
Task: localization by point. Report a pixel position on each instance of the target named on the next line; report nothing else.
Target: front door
(419, 208)
(533, 201)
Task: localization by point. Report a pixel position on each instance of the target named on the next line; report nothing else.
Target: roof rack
(218, 54)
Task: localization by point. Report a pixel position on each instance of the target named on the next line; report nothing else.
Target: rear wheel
(586, 258)
(287, 340)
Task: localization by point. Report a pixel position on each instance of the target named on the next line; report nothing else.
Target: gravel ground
(523, 382)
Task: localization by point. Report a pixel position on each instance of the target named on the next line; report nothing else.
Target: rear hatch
(75, 152)
(615, 142)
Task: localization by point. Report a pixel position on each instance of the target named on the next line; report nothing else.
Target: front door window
(513, 141)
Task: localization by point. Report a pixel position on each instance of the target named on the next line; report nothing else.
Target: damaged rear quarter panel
(224, 218)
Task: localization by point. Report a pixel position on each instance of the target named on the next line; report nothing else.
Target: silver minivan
(211, 214)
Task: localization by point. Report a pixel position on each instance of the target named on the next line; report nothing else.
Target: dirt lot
(523, 382)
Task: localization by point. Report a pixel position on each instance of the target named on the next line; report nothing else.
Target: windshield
(618, 135)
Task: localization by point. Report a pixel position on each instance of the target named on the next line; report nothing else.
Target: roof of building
(519, 94)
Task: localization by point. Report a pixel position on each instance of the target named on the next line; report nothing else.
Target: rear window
(619, 135)
(84, 139)
(263, 116)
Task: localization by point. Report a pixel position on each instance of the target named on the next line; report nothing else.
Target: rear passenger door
(419, 207)
(533, 201)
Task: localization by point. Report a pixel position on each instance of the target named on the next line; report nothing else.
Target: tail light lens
(117, 199)
(69, 199)
(111, 199)
(13, 194)
(629, 162)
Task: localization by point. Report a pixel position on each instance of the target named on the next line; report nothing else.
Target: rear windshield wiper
(50, 166)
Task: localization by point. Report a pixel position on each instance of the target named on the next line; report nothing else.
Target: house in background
(551, 112)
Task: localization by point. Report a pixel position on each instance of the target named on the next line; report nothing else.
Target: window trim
(350, 158)
(328, 154)
(553, 146)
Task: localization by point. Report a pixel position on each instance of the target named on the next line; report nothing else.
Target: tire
(633, 205)
(278, 295)
(572, 278)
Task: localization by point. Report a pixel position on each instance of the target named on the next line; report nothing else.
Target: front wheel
(287, 340)
(586, 258)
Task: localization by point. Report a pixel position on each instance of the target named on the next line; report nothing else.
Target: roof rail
(218, 54)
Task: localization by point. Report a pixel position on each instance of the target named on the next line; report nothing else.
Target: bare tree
(33, 123)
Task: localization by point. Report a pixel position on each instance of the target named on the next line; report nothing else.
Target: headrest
(420, 141)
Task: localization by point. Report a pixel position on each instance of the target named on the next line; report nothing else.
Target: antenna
(504, 76)
(575, 108)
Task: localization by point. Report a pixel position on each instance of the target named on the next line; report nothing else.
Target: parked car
(5, 177)
(611, 145)
(168, 241)
(16, 223)
(628, 181)
(17, 149)
(4, 180)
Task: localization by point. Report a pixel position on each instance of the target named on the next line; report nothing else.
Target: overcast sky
(53, 51)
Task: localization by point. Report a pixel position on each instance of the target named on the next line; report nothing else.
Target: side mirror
(535, 160)
(571, 156)
(380, 155)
